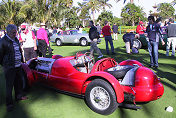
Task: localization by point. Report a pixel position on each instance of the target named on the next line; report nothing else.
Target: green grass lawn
(47, 103)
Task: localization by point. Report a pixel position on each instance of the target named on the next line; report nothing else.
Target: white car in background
(70, 36)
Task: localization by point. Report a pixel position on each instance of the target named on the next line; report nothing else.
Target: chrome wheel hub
(100, 98)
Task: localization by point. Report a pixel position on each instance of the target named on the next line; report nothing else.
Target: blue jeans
(153, 52)
(109, 39)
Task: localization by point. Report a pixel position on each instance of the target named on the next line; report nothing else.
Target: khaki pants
(93, 46)
(169, 41)
(115, 36)
(127, 45)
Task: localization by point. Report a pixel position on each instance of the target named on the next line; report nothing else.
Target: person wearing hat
(43, 41)
(140, 28)
(28, 40)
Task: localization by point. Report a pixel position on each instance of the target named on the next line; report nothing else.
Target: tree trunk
(83, 23)
(133, 23)
(94, 16)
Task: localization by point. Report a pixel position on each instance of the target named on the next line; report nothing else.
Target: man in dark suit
(10, 59)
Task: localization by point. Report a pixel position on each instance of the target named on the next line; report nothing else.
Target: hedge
(122, 29)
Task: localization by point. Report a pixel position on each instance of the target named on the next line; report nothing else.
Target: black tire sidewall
(83, 39)
(59, 41)
(138, 42)
(113, 104)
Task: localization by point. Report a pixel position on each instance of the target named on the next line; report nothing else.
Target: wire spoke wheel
(100, 98)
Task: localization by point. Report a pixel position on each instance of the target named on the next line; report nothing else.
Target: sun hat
(140, 23)
(23, 26)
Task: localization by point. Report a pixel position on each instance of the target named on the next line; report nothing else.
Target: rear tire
(100, 97)
(58, 42)
(83, 42)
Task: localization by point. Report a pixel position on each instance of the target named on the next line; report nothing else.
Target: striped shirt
(17, 53)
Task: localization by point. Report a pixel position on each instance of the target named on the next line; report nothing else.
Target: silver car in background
(70, 36)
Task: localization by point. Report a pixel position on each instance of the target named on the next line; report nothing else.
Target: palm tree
(104, 4)
(13, 12)
(84, 13)
(49, 11)
(173, 2)
(96, 5)
(131, 1)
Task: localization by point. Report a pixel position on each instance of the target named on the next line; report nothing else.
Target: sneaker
(100, 56)
(151, 66)
(18, 98)
(172, 55)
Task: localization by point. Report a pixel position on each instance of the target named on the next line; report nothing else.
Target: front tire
(100, 97)
(58, 42)
(83, 42)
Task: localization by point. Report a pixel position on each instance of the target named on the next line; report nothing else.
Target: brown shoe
(21, 98)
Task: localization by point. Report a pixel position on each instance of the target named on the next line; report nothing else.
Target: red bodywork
(64, 76)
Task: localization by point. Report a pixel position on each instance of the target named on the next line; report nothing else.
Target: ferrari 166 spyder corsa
(104, 84)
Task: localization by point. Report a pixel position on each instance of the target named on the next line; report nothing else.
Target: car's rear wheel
(137, 44)
(58, 42)
(83, 42)
(100, 97)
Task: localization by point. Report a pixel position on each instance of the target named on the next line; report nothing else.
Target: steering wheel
(88, 57)
(84, 59)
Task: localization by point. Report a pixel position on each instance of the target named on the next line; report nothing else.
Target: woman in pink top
(43, 42)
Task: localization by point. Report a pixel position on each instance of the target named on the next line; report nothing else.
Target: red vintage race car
(104, 84)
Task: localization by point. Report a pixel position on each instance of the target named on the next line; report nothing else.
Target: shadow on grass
(18, 112)
(123, 113)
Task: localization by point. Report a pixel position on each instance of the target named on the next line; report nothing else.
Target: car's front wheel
(58, 42)
(137, 44)
(100, 97)
(83, 42)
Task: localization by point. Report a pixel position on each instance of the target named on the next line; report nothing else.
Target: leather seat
(119, 71)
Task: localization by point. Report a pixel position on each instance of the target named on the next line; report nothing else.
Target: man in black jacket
(10, 59)
(94, 35)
